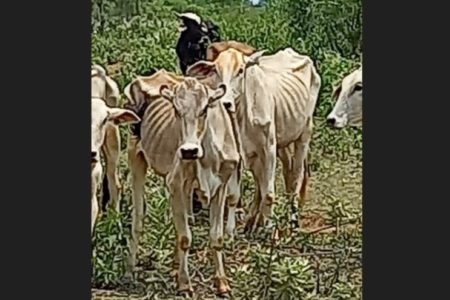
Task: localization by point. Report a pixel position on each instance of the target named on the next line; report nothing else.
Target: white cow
(187, 137)
(102, 116)
(348, 108)
(104, 87)
(273, 99)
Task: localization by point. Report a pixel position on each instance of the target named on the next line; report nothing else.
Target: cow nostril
(331, 121)
(93, 155)
(227, 105)
(189, 153)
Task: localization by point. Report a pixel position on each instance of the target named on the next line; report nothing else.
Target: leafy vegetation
(323, 259)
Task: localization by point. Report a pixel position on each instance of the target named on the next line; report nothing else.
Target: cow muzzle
(94, 157)
(229, 106)
(190, 152)
(331, 121)
(335, 122)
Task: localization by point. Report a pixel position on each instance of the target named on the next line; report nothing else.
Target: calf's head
(348, 108)
(101, 115)
(227, 63)
(190, 21)
(191, 100)
(103, 86)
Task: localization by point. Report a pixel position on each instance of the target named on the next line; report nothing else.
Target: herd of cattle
(233, 108)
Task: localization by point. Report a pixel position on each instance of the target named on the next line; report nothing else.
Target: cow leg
(181, 201)
(253, 162)
(94, 207)
(111, 150)
(191, 221)
(196, 204)
(94, 211)
(239, 207)
(299, 171)
(95, 177)
(176, 254)
(263, 170)
(267, 187)
(216, 216)
(254, 205)
(180, 198)
(138, 168)
(190, 209)
(232, 199)
(286, 156)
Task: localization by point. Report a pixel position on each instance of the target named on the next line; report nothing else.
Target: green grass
(320, 265)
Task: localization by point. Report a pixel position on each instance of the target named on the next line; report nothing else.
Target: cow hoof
(295, 222)
(270, 224)
(251, 229)
(185, 291)
(127, 280)
(252, 224)
(249, 226)
(240, 211)
(261, 222)
(174, 273)
(223, 288)
(231, 244)
(185, 294)
(229, 234)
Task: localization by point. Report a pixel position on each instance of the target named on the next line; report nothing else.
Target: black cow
(194, 39)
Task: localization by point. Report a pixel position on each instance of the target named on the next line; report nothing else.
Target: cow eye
(358, 87)
(104, 121)
(241, 70)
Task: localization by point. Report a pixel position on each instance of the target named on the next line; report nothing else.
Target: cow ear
(149, 86)
(243, 48)
(336, 92)
(201, 69)
(97, 70)
(165, 92)
(127, 92)
(215, 49)
(256, 56)
(121, 116)
(112, 91)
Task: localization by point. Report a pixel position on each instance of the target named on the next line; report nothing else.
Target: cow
(273, 98)
(104, 87)
(195, 149)
(137, 97)
(348, 108)
(195, 36)
(102, 118)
